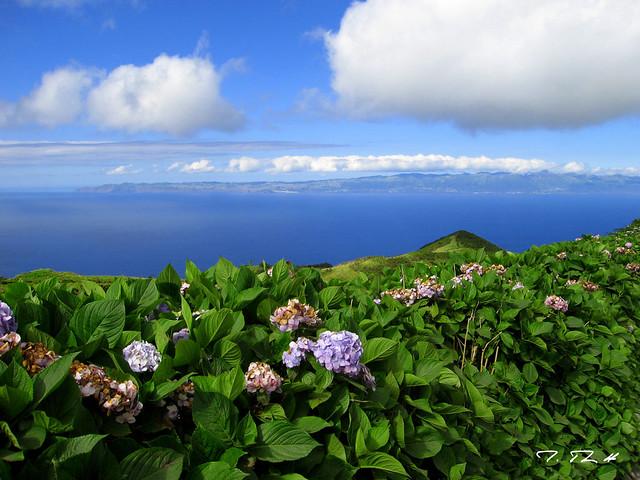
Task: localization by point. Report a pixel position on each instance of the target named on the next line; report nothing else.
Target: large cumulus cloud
(489, 63)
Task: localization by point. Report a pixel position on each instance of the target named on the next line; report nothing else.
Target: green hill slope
(457, 242)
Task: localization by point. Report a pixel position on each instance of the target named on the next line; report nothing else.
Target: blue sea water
(138, 234)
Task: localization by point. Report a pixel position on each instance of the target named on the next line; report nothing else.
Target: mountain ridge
(496, 182)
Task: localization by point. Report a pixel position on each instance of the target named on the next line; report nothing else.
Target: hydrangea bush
(467, 369)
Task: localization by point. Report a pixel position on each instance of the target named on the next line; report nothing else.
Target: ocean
(138, 234)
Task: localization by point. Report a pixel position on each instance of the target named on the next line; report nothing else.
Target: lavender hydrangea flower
(261, 378)
(339, 352)
(294, 314)
(7, 320)
(142, 356)
(628, 245)
(428, 287)
(557, 303)
(182, 334)
(163, 308)
(297, 352)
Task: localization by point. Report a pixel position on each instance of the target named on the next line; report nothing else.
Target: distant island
(511, 183)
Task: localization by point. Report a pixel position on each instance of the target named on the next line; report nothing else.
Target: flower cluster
(297, 352)
(423, 288)
(499, 269)
(466, 273)
(585, 284)
(628, 245)
(7, 320)
(607, 253)
(36, 357)
(338, 352)
(428, 287)
(119, 398)
(561, 256)
(557, 303)
(142, 356)
(633, 267)
(517, 286)
(293, 315)
(9, 341)
(261, 378)
(408, 296)
(180, 400)
(625, 250)
(184, 287)
(182, 334)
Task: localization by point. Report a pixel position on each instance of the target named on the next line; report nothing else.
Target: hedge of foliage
(468, 372)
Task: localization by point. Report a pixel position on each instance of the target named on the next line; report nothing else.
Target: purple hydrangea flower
(628, 245)
(182, 334)
(9, 341)
(163, 308)
(7, 320)
(142, 356)
(297, 352)
(339, 352)
(557, 303)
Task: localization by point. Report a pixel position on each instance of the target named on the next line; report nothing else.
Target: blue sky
(109, 91)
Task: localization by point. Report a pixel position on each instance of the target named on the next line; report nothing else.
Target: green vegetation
(458, 242)
(486, 360)
(73, 279)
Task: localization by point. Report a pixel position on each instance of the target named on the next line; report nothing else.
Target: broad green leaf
(153, 463)
(378, 349)
(47, 380)
(217, 471)
(100, 318)
(311, 424)
(384, 462)
(280, 441)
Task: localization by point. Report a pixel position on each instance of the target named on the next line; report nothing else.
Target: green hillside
(457, 242)
(36, 276)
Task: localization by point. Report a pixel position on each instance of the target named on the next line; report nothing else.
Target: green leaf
(331, 297)
(311, 424)
(229, 383)
(378, 436)
(530, 373)
(47, 380)
(540, 328)
(169, 282)
(187, 353)
(153, 463)
(280, 441)
(382, 461)
(215, 413)
(424, 444)
(69, 448)
(448, 377)
(245, 297)
(6, 430)
(217, 471)
(96, 319)
(378, 349)
(247, 431)
(214, 325)
(16, 390)
(457, 471)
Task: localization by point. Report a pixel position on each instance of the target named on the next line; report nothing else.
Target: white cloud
(123, 170)
(176, 95)
(243, 165)
(58, 99)
(490, 63)
(199, 166)
(573, 167)
(416, 163)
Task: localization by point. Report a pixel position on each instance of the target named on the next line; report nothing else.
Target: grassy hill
(36, 276)
(457, 242)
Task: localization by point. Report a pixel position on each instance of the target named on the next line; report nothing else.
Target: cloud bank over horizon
(494, 64)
